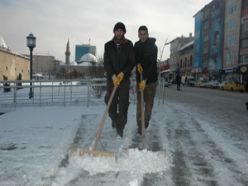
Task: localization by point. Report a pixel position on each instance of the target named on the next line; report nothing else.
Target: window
(191, 61)
(244, 43)
(244, 59)
(244, 27)
(185, 62)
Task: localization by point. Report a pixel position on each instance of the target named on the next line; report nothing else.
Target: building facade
(175, 46)
(231, 38)
(13, 66)
(243, 54)
(209, 38)
(186, 59)
(198, 43)
(44, 64)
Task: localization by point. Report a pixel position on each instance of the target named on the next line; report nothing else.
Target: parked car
(191, 82)
(221, 85)
(213, 84)
(185, 80)
(166, 83)
(234, 86)
(201, 83)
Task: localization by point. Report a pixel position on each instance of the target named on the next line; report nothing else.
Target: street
(202, 133)
(198, 137)
(224, 107)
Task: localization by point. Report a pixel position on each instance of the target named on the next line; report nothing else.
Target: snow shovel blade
(96, 153)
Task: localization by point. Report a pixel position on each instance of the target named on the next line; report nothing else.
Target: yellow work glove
(115, 80)
(140, 68)
(120, 76)
(142, 85)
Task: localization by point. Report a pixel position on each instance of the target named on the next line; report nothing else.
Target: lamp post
(31, 43)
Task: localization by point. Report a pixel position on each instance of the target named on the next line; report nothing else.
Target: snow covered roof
(2, 43)
(88, 58)
(187, 45)
(85, 64)
(73, 63)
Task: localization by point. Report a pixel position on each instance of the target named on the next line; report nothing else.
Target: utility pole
(165, 43)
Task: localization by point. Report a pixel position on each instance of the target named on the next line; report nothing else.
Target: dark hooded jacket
(146, 55)
(119, 57)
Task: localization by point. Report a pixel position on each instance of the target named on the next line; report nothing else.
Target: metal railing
(61, 92)
(47, 92)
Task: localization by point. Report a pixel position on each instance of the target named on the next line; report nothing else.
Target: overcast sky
(53, 22)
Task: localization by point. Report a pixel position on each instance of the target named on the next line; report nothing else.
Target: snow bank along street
(184, 146)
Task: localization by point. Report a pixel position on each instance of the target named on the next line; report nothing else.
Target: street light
(31, 43)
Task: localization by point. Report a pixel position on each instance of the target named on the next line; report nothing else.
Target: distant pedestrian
(178, 81)
(186, 80)
(119, 61)
(146, 59)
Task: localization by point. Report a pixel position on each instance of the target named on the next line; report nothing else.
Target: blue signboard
(216, 33)
(198, 42)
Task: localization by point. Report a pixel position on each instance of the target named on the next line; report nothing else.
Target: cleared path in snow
(184, 148)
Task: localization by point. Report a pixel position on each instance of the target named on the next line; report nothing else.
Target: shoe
(147, 124)
(113, 124)
(139, 131)
(119, 130)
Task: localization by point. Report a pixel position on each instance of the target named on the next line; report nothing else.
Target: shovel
(92, 149)
(142, 144)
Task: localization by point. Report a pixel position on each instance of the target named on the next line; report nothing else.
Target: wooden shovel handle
(102, 121)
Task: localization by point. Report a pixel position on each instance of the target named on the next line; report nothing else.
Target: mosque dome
(88, 58)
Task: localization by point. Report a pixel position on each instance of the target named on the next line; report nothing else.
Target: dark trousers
(178, 86)
(149, 94)
(119, 106)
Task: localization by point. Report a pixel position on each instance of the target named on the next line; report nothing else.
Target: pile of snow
(136, 163)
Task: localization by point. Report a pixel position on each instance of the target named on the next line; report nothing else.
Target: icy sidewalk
(130, 166)
(33, 141)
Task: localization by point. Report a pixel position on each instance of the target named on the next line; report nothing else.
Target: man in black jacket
(119, 61)
(146, 59)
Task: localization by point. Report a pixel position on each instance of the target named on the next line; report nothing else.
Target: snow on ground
(183, 148)
(33, 141)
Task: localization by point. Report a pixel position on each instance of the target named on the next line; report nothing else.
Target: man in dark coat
(119, 61)
(178, 81)
(146, 60)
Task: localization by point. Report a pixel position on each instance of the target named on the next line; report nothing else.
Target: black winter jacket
(146, 55)
(119, 58)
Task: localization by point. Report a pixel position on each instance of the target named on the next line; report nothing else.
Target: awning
(166, 71)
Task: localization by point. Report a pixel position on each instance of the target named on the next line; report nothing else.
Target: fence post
(52, 91)
(14, 94)
(71, 91)
(40, 93)
(88, 94)
(64, 93)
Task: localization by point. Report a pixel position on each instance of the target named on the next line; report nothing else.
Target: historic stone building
(13, 66)
(175, 46)
(186, 58)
